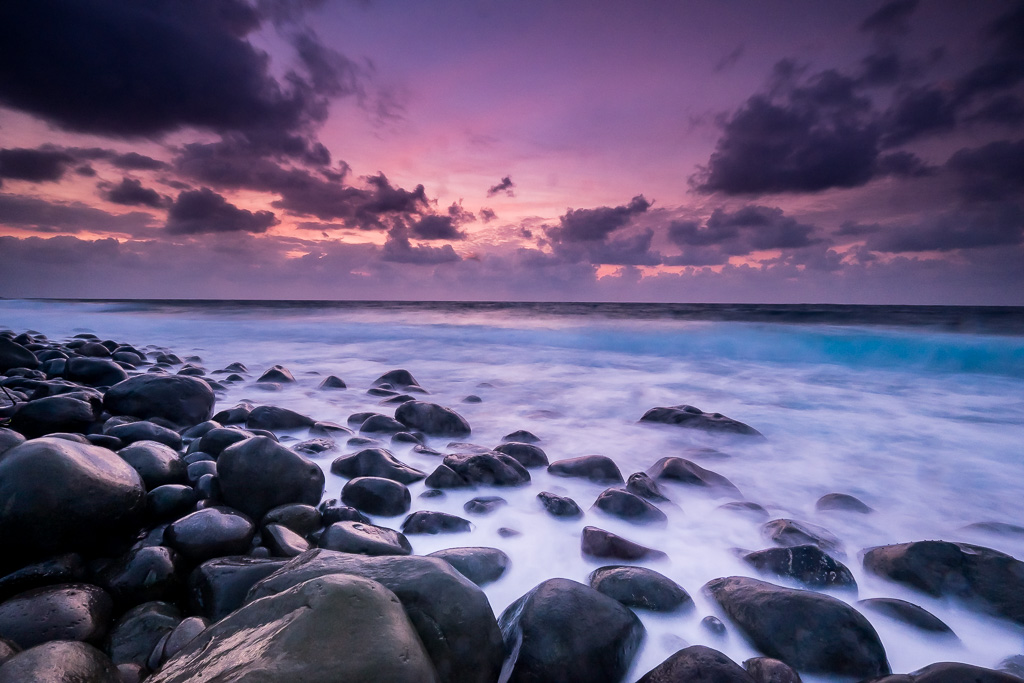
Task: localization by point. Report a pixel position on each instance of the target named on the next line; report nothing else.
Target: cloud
(397, 249)
(629, 250)
(582, 225)
(738, 233)
(891, 18)
(29, 213)
(436, 227)
(992, 172)
(204, 211)
(989, 225)
(130, 192)
(506, 185)
(903, 165)
(728, 61)
(133, 161)
(33, 165)
(487, 215)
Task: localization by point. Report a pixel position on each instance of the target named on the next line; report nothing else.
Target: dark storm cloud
(738, 233)
(891, 18)
(992, 172)
(631, 250)
(487, 215)
(918, 112)
(582, 225)
(130, 192)
(34, 165)
(133, 161)
(882, 68)
(989, 225)
(903, 165)
(205, 211)
(397, 249)
(29, 213)
(506, 185)
(436, 227)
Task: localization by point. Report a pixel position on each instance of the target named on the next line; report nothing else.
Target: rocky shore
(150, 534)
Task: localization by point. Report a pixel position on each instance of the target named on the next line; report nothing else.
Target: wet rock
(809, 631)
(182, 400)
(604, 544)
(768, 670)
(9, 439)
(629, 507)
(997, 528)
(697, 664)
(144, 430)
(14, 355)
(639, 587)
(713, 625)
(407, 438)
(399, 379)
(309, 633)
(484, 505)
(695, 418)
(979, 576)
(302, 519)
(431, 522)
(58, 496)
(432, 419)
(52, 414)
(70, 611)
(67, 568)
(843, 502)
(60, 662)
(282, 541)
(376, 462)
(94, 372)
(274, 418)
(137, 631)
(183, 634)
(209, 533)
(690, 473)
(527, 454)
(597, 468)
(364, 539)
(951, 672)
(789, 533)
(377, 496)
(236, 415)
(277, 374)
(258, 474)
(315, 447)
(216, 440)
(804, 563)
(444, 477)
(156, 463)
(908, 613)
(332, 511)
(1013, 664)
(559, 506)
(143, 575)
(331, 382)
(641, 484)
(480, 565)
(487, 469)
(472, 398)
(199, 469)
(562, 630)
(451, 615)
(381, 424)
(747, 509)
(521, 436)
(219, 586)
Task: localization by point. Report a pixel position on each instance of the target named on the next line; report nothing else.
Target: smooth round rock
(71, 611)
(302, 519)
(480, 565)
(9, 439)
(364, 539)
(908, 613)
(376, 462)
(527, 454)
(181, 399)
(377, 496)
(603, 544)
(484, 505)
(641, 484)
(211, 532)
(559, 506)
(282, 541)
(843, 502)
(332, 511)
(14, 355)
(157, 463)
(381, 424)
(94, 372)
(697, 664)
(277, 374)
(274, 418)
(629, 507)
(684, 471)
(259, 474)
(137, 631)
(51, 414)
(487, 469)
(432, 419)
(144, 430)
(769, 670)
(143, 575)
(170, 501)
(597, 468)
(60, 662)
(640, 587)
(58, 496)
(789, 533)
(432, 522)
(67, 568)
(804, 563)
(218, 587)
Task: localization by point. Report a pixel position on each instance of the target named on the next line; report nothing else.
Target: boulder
(640, 587)
(14, 355)
(364, 539)
(331, 382)
(564, 631)
(167, 503)
(67, 568)
(604, 544)
(155, 462)
(399, 379)
(53, 414)
(697, 664)
(432, 419)
(527, 454)
(282, 542)
(484, 505)
(259, 474)
(69, 611)
(219, 586)
(979, 576)
(183, 400)
(138, 631)
(843, 502)
(302, 519)
(684, 471)
(9, 439)
(277, 374)
(209, 533)
(376, 462)
(217, 439)
(144, 430)
(908, 613)
(951, 672)
(377, 496)
(143, 574)
(597, 468)
(559, 506)
(804, 563)
(308, 633)
(628, 506)
(809, 631)
(94, 372)
(444, 477)
(479, 565)
(695, 418)
(487, 469)
(641, 484)
(58, 496)
(61, 661)
(332, 511)
(431, 522)
(451, 614)
(768, 670)
(274, 418)
(790, 532)
(381, 424)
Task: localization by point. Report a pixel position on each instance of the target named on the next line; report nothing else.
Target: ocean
(917, 411)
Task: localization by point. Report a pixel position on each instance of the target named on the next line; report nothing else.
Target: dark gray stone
(376, 462)
(302, 519)
(527, 454)
(789, 533)
(182, 400)
(629, 507)
(641, 484)
(144, 430)
(697, 664)
(282, 541)
(843, 502)
(211, 532)
(639, 587)
(157, 463)
(60, 662)
(143, 575)
(67, 568)
(219, 586)
(277, 374)
(70, 611)
(769, 670)
(377, 496)
(604, 544)
(484, 505)
(804, 563)
(559, 506)
(364, 539)
(597, 468)
(259, 474)
(479, 565)
(274, 418)
(137, 631)
(432, 419)
(908, 613)
(695, 418)
(487, 469)
(14, 355)
(431, 522)
(684, 471)
(53, 414)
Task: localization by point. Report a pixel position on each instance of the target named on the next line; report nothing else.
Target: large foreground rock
(563, 631)
(951, 672)
(684, 471)
(697, 664)
(14, 355)
(432, 419)
(979, 576)
(259, 474)
(452, 616)
(695, 418)
(331, 628)
(183, 400)
(219, 586)
(59, 496)
(51, 415)
(60, 661)
(809, 631)
(72, 611)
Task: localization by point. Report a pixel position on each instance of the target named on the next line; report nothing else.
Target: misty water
(918, 413)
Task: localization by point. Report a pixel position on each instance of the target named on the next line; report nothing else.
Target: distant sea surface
(917, 411)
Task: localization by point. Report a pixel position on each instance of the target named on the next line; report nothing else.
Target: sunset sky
(697, 151)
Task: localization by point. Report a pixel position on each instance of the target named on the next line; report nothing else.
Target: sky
(776, 151)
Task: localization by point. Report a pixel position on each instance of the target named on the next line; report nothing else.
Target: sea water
(919, 412)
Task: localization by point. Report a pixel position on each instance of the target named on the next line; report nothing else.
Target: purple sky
(760, 151)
